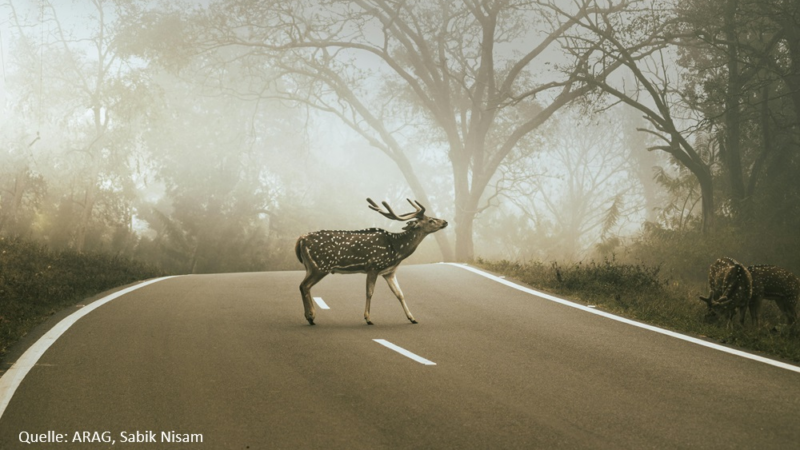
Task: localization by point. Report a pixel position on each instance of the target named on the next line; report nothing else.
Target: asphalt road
(231, 357)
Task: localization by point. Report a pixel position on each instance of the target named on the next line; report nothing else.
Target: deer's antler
(420, 210)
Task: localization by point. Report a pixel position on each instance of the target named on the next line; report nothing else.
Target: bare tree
(591, 191)
(639, 44)
(482, 74)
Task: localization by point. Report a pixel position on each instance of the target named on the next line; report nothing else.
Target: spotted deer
(373, 251)
(778, 284)
(730, 289)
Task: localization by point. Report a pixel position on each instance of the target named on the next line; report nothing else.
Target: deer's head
(417, 220)
(712, 315)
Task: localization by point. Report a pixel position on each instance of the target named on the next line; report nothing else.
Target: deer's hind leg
(788, 306)
(371, 277)
(312, 277)
(392, 281)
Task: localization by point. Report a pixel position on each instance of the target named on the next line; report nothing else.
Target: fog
(207, 136)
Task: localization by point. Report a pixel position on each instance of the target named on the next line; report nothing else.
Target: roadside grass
(36, 282)
(640, 293)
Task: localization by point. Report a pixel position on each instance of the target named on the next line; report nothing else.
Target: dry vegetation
(641, 293)
(36, 282)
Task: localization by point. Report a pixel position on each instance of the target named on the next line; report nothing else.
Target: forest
(207, 136)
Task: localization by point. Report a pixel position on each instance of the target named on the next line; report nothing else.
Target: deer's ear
(414, 224)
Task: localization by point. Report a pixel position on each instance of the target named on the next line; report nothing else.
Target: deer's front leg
(392, 281)
(371, 277)
(755, 310)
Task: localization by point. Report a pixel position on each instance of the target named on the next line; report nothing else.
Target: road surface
(230, 360)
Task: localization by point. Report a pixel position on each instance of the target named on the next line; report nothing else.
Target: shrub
(639, 292)
(36, 282)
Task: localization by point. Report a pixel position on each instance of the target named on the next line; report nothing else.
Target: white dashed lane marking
(321, 303)
(405, 352)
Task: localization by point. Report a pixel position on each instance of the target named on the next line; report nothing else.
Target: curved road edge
(634, 323)
(12, 377)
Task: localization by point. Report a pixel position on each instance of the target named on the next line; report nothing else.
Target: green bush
(36, 282)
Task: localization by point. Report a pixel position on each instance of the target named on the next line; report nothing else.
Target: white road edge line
(634, 323)
(12, 378)
(321, 303)
(405, 352)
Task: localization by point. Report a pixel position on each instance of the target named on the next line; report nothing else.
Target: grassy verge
(36, 282)
(638, 292)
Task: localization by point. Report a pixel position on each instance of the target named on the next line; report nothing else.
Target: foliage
(36, 282)
(741, 62)
(640, 292)
(394, 71)
(139, 162)
(185, 134)
(624, 283)
(685, 255)
(586, 193)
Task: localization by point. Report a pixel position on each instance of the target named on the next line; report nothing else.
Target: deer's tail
(298, 246)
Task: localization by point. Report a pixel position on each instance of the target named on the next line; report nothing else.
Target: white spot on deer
(371, 251)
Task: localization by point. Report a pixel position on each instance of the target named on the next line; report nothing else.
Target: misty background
(207, 136)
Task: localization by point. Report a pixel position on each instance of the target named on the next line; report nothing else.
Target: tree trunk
(766, 142)
(642, 161)
(793, 77)
(419, 192)
(465, 250)
(732, 155)
(707, 201)
(466, 205)
(193, 263)
(85, 218)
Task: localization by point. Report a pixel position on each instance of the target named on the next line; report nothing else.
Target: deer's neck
(406, 242)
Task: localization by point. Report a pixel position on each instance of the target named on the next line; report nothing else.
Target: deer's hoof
(413, 321)
(370, 323)
(311, 321)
